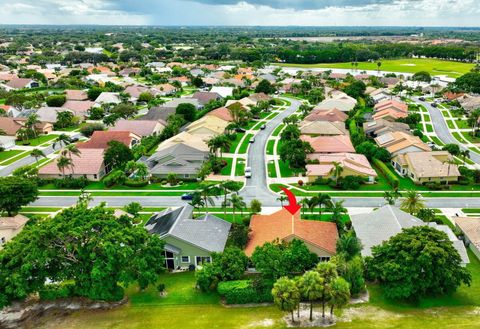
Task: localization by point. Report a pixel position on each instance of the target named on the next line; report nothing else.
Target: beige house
(470, 226)
(10, 227)
(323, 128)
(185, 138)
(399, 142)
(426, 167)
(207, 127)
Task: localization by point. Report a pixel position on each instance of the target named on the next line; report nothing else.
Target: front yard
(40, 140)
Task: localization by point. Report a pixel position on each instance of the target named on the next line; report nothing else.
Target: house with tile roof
(329, 144)
(107, 98)
(323, 128)
(470, 226)
(390, 110)
(89, 164)
(179, 159)
(10, 227)
(140, 128)
(204, 97)
(207, 127)
(380, 127)
(49, 114)
(339, 101)
(76, 95)
(177, 101)
(165, 89)
(244, 102)
(80, 108)
(221, 113)
(158, 113)
(21, 83)
(427, 167)
(319, 237)
(380, 225)
(332, 115)
(322, 166)
(399, 142)
(222, 91)
(186, 138)
(100, 139)
(189, 241)
(12, 125)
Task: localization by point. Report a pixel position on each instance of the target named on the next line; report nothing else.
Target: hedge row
(352, 126)
(242, 292)
(389, 175)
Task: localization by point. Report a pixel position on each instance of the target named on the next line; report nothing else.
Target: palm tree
(348, 245)
(61, 140)
(206, 192)
(465, 154)
(286, 295)
(379, 64)
(337, 170)
(37, 153)
(450, 161)
(337, 211)
(412, 203)
(226, 187)
(31, 122)
(311, 288)
(70, 150)
(62, 163)
(392, 196)
(304, 204)
(23, 134)
(282, 199)
(197, 201)
(312, 202)
(237, 204)
(339, 294)
(323, 200)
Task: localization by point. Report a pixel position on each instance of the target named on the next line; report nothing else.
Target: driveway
(256, 186)
(442, 131)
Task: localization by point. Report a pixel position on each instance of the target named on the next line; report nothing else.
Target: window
(185, 259)
(202, 259)
(324, 259)
(2, 241)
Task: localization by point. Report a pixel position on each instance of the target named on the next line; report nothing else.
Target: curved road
(442, 131)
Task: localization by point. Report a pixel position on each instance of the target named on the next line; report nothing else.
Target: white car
(248, 172)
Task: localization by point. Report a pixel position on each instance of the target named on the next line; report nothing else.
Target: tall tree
(328, 272)
(37, 154)
(286, 295)
(63, 163)
(412, 203)
(340, 294)
(16, 192)
(311, 288)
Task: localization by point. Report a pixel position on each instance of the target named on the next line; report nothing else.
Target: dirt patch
(367, 313)
(265, 323)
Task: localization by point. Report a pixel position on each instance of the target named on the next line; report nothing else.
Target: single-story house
(426, 167)
(135, 91)
(222, 91)
(323, 128)
(11, 126)
(319, 237)
(80, 108)
(221, 113)
(383, 223)
(158, 113)
(177, 101)
(470, 226)
(49, 114)
(353, 165)
(100, 139)
(332, 115)
(21, 83)
(165, 89)
(188, 241)
(329, 144)
(89, 164)
(107, 98)
(7, 142)
(10, 227)
(390, 110)
(76, 95)
(399, 142)
(180, 159)
(204, 97)
(260, 97)
(140, 128)
(341, 102)
(129, 71)
(381, 126)
(469, 103)
(186, 138)
(207, 127)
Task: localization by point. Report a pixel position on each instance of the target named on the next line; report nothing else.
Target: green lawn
(244, 146)
(468, 136)
(463, 124)
(38, 141)
(238, 138)
(227, 170)
(6, 155)
(151, 187)
(271, 170)
(427, 118)
(437, 140)
(277, 130)
(407, 65)
(240, 167)
(14, 158)
(429, 128)
(270, 146)
(285, 170)
(458, 137)
(450, 124)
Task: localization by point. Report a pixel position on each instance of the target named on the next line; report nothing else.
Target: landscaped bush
(55, 291)
(116, 177)
(135, 183)
(389, 175)
(243, 292)
(73, 183)
(350, 182)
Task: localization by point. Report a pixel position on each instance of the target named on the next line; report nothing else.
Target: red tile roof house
(100, 139)
(140, 128)
(330, 144)
(21, 83)
(332, 115)
(76, 95)
(390, 110)
(222, 113)
(136, 91)
(88, 164)
(319, 237)
(11, 126)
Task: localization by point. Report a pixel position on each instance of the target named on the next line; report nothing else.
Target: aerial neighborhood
(171, 170)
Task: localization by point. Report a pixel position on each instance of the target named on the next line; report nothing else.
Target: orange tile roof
(330, 144)
(267, 228)
(88, 162)
(100, 139)
(222, 113)
(326, 115)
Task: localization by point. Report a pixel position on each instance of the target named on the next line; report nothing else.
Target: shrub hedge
(242, 292)
(389, 175)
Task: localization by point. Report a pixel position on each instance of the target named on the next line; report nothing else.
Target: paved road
(442, 131)
(169, 201)
(256, 186)
(28, 160)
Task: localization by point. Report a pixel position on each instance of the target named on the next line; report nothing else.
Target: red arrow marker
(293, 206)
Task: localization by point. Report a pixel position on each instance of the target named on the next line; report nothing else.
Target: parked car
(263, 127)
(252, 140)
(248, 172)
(187, 196)
(434, 104)
(422, 99)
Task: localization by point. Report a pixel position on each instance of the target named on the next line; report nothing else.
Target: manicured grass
(429, 128)
(14, 158)
(244, 146)
(152, 187)
(240, 167)
(227, 170)
(458, 137)
(277, 130)
(38, 141)
(6, 155)
(437, 141)
(427, 118)
(40, 209)
(407, 65)
(238, 138)
(270, 146)
(468, 136)
(285, 169)
(271, 170)
(463, 124)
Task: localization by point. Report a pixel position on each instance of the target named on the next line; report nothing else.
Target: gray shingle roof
(178, 159)
(380, 225)
(207, 232)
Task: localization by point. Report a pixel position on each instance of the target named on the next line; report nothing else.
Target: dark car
(240, 130)
(434, 104)
(263, 127)
(422, 99)
(74, 139)
(187, 196)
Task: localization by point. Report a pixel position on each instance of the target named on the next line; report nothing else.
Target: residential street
(442, 131)
(256, 186)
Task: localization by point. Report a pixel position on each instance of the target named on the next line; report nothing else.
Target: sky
(244, 12)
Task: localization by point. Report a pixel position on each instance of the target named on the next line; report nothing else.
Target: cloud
(299, 4)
